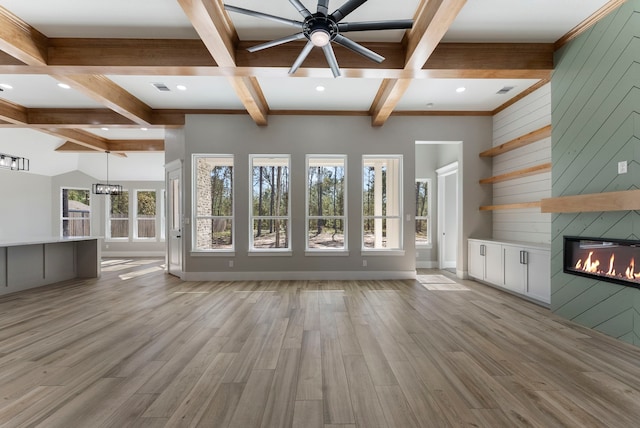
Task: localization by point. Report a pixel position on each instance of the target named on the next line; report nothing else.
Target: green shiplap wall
(595, 98)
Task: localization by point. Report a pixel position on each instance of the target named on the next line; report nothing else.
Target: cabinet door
(514, 269)
(539, 275)
(475, 260)
(493, 263)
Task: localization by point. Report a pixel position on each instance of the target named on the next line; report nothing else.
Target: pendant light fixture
(14, 163)
(107, 189)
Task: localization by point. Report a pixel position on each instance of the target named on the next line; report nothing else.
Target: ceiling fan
(322, 28)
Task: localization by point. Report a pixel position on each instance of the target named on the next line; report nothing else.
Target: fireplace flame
(592, 265)
(611, 271)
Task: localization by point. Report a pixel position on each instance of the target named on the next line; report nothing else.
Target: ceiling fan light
(320, 38)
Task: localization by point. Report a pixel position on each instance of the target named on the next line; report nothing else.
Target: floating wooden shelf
(525, 172)
(521, 205)
(526, 139)
(626, 200)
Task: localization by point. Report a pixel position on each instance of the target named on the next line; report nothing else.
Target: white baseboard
(133, 253)
(426, 264)
(299, 276)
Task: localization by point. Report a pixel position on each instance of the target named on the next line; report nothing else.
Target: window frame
(107, 232)
(399, 217)
(269, 251)
(344, 217)
(429, 243)
(62, 218)
(134, 214)
(194, 205)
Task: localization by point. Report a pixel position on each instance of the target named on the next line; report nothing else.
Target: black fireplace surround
(604, 259)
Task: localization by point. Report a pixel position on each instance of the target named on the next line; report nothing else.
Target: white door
(174, 221)
(448, 216)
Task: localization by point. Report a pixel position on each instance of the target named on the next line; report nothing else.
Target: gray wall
(353, 136)
(25, 207)
(596, 124)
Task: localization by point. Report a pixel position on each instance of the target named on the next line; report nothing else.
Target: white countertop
(44, 240)
(517, 243)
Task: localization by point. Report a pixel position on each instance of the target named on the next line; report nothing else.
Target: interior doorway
(448, 216)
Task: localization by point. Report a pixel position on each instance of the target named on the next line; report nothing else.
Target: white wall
(528, 225)
(353, 136)
(25, 205)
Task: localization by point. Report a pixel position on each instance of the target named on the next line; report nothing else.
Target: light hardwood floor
(139, 348)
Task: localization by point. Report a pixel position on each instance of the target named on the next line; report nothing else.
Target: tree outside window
(326, 185)
(118, 216)
(382, 202)
(145, 214)
(213, 225)
(270, 219)
(76, 212)
(423, 210)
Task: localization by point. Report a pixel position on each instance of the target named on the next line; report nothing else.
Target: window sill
(326, 253)
(398, 253)
(212, 253)
(270, 253)
(424, 246)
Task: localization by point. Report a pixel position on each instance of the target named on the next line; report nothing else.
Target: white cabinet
(517, 267)
(485, 261)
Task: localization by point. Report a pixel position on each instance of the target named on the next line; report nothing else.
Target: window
(213, 199)
(382, 202)
(270, 219)
(326, 186)
(145, 209)
(76, 212)
(118, 213)
(423, 210)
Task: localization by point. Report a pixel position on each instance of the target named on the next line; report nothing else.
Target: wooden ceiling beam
(431, 21)
(80, 137)
(214, 27)
(12, 113)
(130, 146)
(105, 91)
(19, 39)
(93, 118)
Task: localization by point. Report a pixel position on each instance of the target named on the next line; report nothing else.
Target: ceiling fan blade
(266, 16)
(398, 24)
(276, 42)
(358, 48)
(303, 55)
(323, 7)
(303, 10)
(346, 9)
(331, 59)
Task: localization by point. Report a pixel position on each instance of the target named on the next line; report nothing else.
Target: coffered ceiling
(113, 55)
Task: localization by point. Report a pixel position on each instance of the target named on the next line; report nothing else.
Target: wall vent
(505, 90)
(161, 87)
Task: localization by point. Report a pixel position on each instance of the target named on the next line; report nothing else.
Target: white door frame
(173, 170)
(443, 172)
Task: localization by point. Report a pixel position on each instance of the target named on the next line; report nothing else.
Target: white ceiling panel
(115, 133)
(543, 21)
(42, 91)
(202, 92)
(479, 94)
(292, 93)
(151, 19)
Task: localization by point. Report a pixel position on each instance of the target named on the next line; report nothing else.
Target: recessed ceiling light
(104, 128)
(181, 87)
(144, 129)
(430, 105)
(461, 89)
(6, 86)
(64, 86)
(320, 88)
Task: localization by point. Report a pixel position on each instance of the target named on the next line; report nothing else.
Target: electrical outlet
(622, 167)
(230, 263)
(106, 246)
(364, 263)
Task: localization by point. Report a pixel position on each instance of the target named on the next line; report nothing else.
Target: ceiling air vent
(505, 90)
(161, 87)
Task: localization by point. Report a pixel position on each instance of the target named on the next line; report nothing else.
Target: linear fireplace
(612, 260)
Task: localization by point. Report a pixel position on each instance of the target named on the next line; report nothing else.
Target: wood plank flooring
(140, 348)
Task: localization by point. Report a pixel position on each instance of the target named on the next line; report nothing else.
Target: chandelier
(107, 189)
